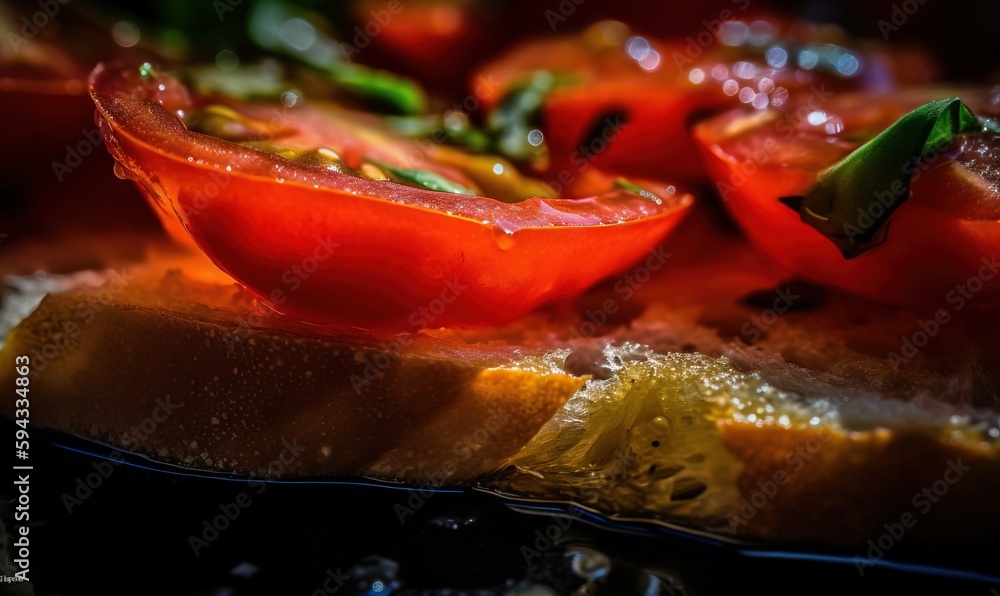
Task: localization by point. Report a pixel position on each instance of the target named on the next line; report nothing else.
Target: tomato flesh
(946, 233)
(334, 248)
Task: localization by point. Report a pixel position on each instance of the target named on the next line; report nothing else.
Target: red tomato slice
(945, 235)
(658, 86)
(332, 247)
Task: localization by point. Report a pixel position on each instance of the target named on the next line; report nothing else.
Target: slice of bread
(697, 388)
(189, 372)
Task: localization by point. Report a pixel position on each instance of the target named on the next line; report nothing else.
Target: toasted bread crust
(843, 488)
(235, 405)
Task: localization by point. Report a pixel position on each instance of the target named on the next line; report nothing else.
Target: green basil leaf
(401, 94)
(423, 178)
(852, 200)
(266, 27)
(517, 114)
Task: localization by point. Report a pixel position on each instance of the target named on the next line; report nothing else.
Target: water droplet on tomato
(125, 33)
(744, 70)
(816, 117)
(638, 48)
(651, 63)
(834, 125)
(120, 171)
(777, 57)
(808, 59)
(848, 65)
(779, 97)
(504, 239)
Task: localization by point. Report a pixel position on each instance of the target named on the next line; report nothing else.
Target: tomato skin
(644, 129)
(932, 248)
(331, 248)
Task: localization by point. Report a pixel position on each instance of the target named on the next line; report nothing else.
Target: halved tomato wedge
(303, 203)
(942, 243)
(619, 100)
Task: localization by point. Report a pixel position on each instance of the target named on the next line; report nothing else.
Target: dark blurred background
(438, 40)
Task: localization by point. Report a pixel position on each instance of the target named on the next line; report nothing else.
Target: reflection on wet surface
(130, 523)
